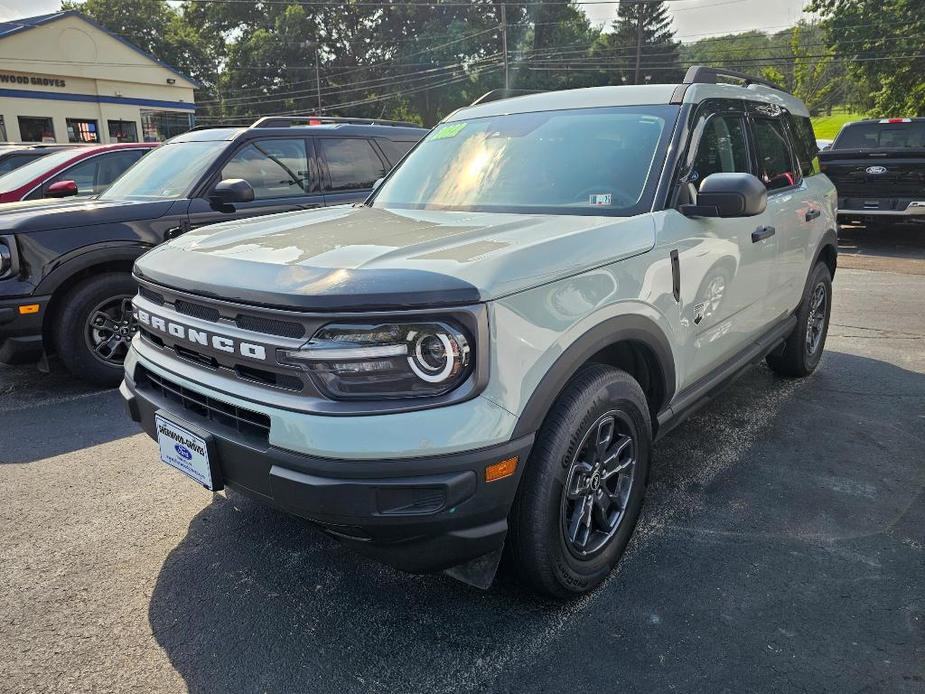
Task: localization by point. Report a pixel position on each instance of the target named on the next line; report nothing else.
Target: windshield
(585, 161)
(27, 172)
(168, 172)
(882, 136)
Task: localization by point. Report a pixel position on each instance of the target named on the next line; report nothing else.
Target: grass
(827, 127)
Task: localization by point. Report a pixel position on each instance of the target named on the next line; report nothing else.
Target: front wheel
(96, 328)
(803, 349)
(582, 490)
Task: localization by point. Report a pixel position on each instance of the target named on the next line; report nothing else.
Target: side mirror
(61, 189)
(230, 191)
(729, 195)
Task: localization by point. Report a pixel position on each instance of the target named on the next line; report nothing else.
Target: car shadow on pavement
(252, 599)
(36, 431)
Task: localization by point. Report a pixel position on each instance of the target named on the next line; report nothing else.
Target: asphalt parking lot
(780, 549)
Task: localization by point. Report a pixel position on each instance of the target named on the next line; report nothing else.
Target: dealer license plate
(182, 449)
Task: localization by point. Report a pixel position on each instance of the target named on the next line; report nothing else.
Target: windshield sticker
(448, 130)
(601, 199)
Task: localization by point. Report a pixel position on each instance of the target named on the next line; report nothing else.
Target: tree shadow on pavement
(747, 502)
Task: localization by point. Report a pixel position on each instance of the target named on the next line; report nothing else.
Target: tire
(544, 547)
(801, 352)
(110, 294)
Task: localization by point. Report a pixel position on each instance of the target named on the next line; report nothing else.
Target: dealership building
(64, 78)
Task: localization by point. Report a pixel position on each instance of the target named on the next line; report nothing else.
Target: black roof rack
(289, 121)
(701, 74)
(498, 94)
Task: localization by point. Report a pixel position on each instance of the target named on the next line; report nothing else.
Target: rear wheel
(96, 328)
(803, 349)
(582, 490)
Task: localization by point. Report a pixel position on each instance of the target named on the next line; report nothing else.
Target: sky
(692, 18)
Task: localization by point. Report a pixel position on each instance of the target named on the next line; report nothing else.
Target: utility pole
(507, 83)
(639, 12)
(318, 79)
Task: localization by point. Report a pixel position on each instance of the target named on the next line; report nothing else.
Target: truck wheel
(803, 348)
(582, 489)
(96, 327)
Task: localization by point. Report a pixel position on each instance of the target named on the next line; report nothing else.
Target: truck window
(804, 143)
(909, 135)
(722, 149)
(352, 163)
(395, 149)
(775, 165)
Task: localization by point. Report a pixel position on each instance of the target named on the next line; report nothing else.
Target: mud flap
(479, 572)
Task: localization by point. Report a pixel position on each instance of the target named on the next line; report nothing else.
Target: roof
(391, 132)
(16, 26)
(628, 95)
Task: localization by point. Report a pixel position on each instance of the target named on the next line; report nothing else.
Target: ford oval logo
(183, 451)
(876, 170)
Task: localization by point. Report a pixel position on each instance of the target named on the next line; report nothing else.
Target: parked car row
(65, 266)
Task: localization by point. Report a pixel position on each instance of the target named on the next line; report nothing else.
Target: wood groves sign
(31, 79)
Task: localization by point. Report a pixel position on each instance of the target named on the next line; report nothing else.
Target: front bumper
(418, 514)
(887, 209)
(21, 334)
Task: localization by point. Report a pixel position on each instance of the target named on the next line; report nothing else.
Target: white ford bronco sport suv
(476, 361)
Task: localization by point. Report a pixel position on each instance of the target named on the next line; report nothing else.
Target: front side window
(594, 161)
(168, 172)
(82, 130)
(723, 148)
(32, 129)
(352, 163)
(83, 174)
(775, 164)
(274, 168)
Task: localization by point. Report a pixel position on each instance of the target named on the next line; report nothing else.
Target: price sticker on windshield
(448, 130)
(601, 199)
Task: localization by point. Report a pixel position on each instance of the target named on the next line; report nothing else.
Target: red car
(79, 171)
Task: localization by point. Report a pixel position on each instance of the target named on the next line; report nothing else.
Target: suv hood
(349, 258)
(42, 215)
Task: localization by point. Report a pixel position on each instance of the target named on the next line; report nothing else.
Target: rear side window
(882, 136)
(352, 163)
(395, 149)
(775, 165)
(804, 142)
(275, 168)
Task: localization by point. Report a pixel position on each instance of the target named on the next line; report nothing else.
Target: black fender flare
(829, 238)
(99, 254)
(628, 328)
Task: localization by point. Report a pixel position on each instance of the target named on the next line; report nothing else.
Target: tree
(808, 70)
(881, 46)
(643, 43)
(156, 28)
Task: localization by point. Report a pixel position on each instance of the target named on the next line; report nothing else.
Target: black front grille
(196, 310)
(251, 424)
(151, 296)
(270, 326)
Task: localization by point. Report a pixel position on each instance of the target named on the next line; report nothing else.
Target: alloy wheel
(598, 485)
(110, 329)
(815, 321)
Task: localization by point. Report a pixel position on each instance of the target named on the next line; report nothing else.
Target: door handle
(813, 214)
(762, 233)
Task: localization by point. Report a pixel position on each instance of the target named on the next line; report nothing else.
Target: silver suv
(476, 361)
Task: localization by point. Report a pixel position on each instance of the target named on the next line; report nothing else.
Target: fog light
(26, 309)
(499, 471)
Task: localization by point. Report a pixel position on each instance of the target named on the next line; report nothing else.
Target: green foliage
(881, 42)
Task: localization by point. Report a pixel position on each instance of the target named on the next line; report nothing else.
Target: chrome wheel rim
(598, 485)
(815, 321)
(110, 329)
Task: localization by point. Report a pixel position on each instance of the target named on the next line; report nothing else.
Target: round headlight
(437, 356)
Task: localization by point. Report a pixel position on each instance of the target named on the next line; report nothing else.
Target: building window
(33, 129)
(82, 130)
(123, 131)
(2, 130)
(157, 126)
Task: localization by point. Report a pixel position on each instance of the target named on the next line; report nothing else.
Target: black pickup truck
(878, 167)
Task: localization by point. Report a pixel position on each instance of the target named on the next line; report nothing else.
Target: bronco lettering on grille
(201, 337)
